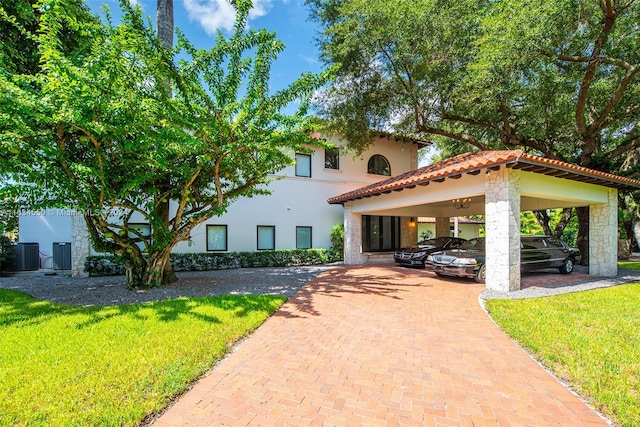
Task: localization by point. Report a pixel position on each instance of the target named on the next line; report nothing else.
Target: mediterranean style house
(295, 215)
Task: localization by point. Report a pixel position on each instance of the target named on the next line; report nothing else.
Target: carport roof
(474, 163)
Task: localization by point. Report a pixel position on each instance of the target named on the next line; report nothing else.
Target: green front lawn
(630, 265)
(591, 339)
(63, 365)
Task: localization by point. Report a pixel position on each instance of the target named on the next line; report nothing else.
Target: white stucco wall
(301, 201)
(296, 201)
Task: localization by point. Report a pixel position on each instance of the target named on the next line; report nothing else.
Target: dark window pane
(379, 165)
(332, 158)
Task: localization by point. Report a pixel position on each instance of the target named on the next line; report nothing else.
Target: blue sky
(200, 19)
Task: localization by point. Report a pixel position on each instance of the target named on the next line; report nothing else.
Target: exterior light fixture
(461, 203)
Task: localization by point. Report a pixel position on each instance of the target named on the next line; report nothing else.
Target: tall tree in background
(164, 23)
(558, 78)
(165, 30)
(99, 130)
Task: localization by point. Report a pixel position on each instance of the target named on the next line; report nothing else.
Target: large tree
(557, 78)
(99, 129)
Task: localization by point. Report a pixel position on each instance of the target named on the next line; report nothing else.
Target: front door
(380, 233)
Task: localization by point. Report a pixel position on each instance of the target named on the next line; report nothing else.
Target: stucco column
(502, 209)
(443, 226)
(353, 236)
(80, 244)
(603, 236)
(408, 231)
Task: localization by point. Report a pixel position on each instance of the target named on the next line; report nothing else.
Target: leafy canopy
(117, 128)
(555, 77)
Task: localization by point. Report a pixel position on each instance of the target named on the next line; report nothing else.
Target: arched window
(378, 165)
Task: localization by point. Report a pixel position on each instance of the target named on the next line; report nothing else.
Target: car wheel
(567, 266)
(481, 274)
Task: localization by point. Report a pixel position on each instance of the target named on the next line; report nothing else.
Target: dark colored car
(417, 255)
(536, 252)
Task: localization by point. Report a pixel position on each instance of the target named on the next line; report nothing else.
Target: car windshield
(477, 244)
(432, 242)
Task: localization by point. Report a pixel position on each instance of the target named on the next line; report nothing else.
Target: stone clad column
(603, 237)
(408, 231)
(80, 244)
(502, 209)
(443, 226)
(352, 236)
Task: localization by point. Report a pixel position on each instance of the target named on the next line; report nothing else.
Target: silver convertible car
(536, 252)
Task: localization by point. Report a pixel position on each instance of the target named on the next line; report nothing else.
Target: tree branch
(619, 151)
(596, 125)
(462, 138)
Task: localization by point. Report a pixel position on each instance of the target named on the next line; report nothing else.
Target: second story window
(332, 158)
(303, 165)
(379, 165)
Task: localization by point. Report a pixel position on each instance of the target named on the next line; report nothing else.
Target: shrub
(105, 265)
(6, 253)
(337, 238)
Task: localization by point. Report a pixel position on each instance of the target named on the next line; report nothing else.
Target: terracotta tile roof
(474, 163)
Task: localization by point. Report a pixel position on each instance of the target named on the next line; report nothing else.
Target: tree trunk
(164, 23)
(544, 221)
(159, 271)
(135, 267)
(562, 224)
(582, 241)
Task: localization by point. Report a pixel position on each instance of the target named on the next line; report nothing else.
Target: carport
(498, 184)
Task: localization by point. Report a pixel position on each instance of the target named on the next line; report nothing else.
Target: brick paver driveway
(385, 346)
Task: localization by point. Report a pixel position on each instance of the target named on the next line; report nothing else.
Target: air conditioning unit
(27, 256)
(61, 255)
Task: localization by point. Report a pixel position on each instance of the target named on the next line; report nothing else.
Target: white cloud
(215, 15)
(309, 59)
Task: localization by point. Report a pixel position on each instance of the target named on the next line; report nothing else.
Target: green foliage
(587, 338)
(336, 251)
(529, 224)
(337, 237)
(115, 365)
(427, 234)
(558, 78)
(105, 265)
(6, 252)
(119, 128)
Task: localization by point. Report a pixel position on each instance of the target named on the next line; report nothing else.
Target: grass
(591, 339)
(630, 265)
(65, 366)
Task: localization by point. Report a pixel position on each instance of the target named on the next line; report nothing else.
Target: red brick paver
(380, 346)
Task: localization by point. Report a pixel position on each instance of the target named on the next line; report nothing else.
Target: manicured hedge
(105, 265)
